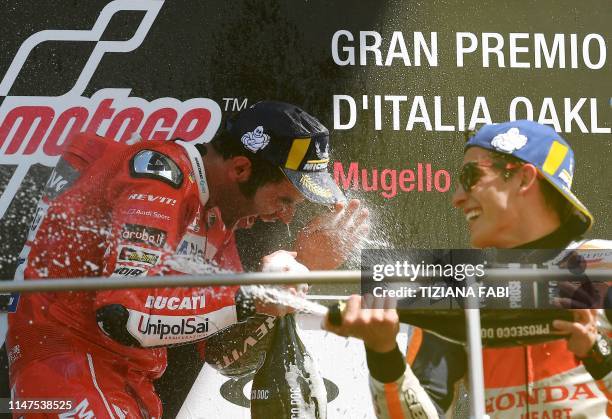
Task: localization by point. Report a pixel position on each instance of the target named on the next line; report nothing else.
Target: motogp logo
(34, 129)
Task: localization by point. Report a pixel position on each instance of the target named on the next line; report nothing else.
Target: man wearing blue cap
(541, 201)
(515, 193)
(514, 190)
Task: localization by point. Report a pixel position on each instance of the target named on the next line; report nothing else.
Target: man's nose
(459, 196)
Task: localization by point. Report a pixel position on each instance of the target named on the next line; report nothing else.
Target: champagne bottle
(498, 328)
(509, 327)
(288, 384)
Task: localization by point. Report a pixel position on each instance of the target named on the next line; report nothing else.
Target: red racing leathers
(115, 210)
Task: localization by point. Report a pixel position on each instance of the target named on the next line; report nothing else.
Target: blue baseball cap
(543, 147)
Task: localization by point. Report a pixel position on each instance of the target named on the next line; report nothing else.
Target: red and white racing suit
(115, 210)
(540, 381)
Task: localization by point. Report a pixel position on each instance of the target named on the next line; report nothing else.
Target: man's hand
(582, 332)
(282, 261)
(586, 294)
(377, 323)
(270, 300)
(327, 241)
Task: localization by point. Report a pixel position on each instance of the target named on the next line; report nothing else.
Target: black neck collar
(558, 239)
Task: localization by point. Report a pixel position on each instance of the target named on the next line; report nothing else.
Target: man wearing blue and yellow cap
(515, 192)
(532, 197)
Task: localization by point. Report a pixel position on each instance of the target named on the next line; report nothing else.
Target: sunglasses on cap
(471, 172)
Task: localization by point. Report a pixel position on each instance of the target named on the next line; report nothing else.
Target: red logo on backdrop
(33, 129)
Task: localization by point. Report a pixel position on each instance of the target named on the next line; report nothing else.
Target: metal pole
(475, 370)
(175, 281)
(474, 353)
(261, 278)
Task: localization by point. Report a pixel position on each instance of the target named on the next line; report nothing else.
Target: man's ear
(240, 169)
(529, 177)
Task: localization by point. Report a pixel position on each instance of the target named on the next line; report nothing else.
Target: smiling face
(491, 207)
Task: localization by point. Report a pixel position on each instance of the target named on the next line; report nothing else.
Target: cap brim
(317, 187)
(582, 216)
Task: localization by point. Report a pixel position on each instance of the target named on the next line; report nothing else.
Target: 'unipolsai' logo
(33, 129)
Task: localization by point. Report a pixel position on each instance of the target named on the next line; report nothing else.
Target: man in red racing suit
(118, 226)
(121, 210)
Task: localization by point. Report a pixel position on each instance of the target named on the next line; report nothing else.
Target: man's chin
(484, 240)
(477, 241)
(268, 218)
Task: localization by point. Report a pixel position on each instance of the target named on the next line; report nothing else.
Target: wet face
(490, 207)
(276, 201)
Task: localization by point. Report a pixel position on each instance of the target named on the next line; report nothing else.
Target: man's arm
(149, 218)
(396, 391)
(399, 398)
(592, 346)
(598, 361)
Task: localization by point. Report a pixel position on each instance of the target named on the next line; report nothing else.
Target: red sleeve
(149, 218)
